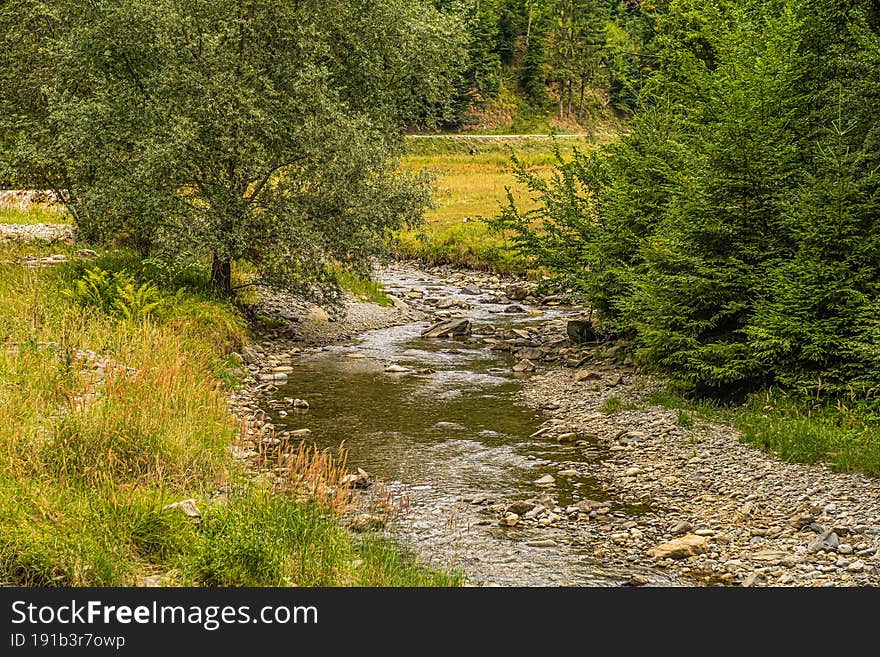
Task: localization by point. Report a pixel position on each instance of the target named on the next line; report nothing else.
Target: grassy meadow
(34, 215)
(472, 177)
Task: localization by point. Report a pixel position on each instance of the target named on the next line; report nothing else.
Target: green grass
(88, 461)
(258, 540)
(845, 436)
(34, 215)
(615, 404)
(363, 288)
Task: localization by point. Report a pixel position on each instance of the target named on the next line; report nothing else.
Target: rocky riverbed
(625, 494)
(721, 510)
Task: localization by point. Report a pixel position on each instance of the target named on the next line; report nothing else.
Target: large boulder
(449, 328)
(680, 548)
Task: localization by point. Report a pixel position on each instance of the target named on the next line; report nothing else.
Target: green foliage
(104, 422)
(732, 234)
(265, 133)
(117, 293)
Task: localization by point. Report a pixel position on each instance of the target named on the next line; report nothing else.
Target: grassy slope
(845, 436)
(86, 464)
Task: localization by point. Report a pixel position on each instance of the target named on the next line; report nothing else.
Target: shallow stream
(450, 436)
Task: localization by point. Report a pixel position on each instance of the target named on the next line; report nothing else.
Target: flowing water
(447, 437)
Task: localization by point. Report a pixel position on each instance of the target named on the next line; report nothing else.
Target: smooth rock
(448, 328)
(680, 548)
(520, 507)
(524, 366)
(680, 527)
(318, 315)
(546, 480)
(529, 353)
(277, 377)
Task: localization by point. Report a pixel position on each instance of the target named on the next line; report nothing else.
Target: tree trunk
(561, 98)
(221, 274)
(581, 100)
(529, 29)
(570, 96)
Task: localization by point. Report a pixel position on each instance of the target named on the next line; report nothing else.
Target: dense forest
(733, 233)
(573, 58)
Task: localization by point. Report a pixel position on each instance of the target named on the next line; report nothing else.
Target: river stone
(300, 403)
(356, 356)
(470, 288)
(514, 309)
(360, 479)
(517, 292)
(827, 540)
(524, 366)
(364, 522)
(580, 331)
(299, 433)
(680, 548)
(394, 368)
(250, 355)
(398, 303)
(448, 328)
(680, 527)
(318, 315)
(241, 453)
(509, 520)
(520, 507)
(546, 480)
(277, 377)
(586, 375)
(529, 353)
(542, 543)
